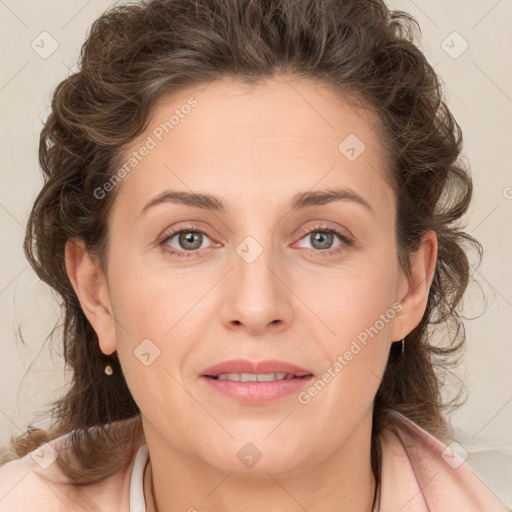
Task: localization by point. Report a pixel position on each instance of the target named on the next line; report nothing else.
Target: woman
(251, 213)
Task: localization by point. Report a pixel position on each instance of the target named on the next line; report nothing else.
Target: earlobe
(414, 300)
(90, 285)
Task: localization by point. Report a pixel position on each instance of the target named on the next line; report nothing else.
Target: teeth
(254, 377)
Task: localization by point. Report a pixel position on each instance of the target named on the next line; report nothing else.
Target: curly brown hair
(135, 54)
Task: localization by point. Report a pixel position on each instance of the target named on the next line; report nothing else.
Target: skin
(255, 148)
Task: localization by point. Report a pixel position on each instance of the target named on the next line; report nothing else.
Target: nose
(256, 296)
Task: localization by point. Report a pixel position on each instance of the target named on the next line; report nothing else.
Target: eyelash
(323, 228)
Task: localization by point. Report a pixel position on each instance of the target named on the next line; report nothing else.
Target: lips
(258, 367)
(275, 380)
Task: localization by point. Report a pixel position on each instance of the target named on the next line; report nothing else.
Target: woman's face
(258, 277)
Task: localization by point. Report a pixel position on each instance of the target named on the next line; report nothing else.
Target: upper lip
(245, 366)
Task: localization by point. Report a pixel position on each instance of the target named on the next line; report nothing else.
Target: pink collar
(420, 474)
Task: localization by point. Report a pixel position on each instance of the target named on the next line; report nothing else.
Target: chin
(276, 464)
(257, 456)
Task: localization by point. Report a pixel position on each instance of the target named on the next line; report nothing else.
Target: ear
(414, 289)
(90, 285)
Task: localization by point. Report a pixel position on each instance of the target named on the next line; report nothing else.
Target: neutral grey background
(469, 45)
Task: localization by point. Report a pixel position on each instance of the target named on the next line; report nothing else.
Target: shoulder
(32, 482)
(430, 471)
(35, 482)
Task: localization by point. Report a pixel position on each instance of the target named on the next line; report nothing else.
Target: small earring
(108, 370)
(403, 345)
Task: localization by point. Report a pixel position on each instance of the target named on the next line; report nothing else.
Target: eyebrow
(299, 201)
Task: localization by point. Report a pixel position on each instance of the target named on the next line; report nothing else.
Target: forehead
(279, 135)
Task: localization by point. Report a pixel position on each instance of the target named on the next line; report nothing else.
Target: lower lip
(257, 392)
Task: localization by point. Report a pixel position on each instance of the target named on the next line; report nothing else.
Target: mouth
(256, 377)
(255, 382)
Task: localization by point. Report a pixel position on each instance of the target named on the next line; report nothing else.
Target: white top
(137, 501)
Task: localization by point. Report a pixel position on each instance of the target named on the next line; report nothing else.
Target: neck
(174, 482)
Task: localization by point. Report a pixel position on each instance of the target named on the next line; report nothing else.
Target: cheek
(355, 299)
(355, 358)
(149, 302)
(358, 308)
(151, 336)
(157, 316)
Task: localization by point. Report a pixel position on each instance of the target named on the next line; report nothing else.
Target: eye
(322, 237)
(186, 241)
(183, 242)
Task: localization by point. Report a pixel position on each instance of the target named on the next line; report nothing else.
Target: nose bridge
(257, 296)
(254, 266)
